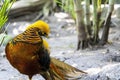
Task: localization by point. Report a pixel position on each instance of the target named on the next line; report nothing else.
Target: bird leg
(46, 75)
(30, 77)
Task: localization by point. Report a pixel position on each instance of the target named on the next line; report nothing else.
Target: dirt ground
(101, 63)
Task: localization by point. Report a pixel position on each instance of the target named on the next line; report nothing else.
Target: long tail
(62, 71)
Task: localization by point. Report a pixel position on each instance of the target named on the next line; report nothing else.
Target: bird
(29, 53)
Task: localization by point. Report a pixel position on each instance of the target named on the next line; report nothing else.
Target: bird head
(42, 28)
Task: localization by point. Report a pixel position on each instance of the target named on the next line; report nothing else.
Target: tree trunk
(87, 17)
(82, 36)
(106, 26)
(95, 22)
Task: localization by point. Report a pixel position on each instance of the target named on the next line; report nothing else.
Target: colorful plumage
(29, 53)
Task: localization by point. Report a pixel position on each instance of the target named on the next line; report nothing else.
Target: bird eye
(45, 34)
(42, 33)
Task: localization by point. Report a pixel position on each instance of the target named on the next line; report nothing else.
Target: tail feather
(62, 71)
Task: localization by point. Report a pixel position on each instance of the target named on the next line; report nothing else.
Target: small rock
(116, 58)
(3, 70)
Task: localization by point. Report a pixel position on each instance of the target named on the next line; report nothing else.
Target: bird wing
(44, 58)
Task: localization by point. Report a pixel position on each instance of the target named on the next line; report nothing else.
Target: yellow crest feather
(43, 26)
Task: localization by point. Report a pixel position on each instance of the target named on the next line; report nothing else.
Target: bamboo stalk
(82, 36)
(87, 17)
(106, 26)
(79, 17)
(95, 21)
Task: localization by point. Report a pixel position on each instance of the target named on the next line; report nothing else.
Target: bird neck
(29, 36)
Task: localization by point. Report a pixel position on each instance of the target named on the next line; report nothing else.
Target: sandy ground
(101, 63)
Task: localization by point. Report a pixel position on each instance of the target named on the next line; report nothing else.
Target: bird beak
(47, 36)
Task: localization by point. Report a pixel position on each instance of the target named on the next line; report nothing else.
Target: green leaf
(4, 10)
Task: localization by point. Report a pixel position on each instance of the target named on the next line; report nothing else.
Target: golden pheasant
(29, 53)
